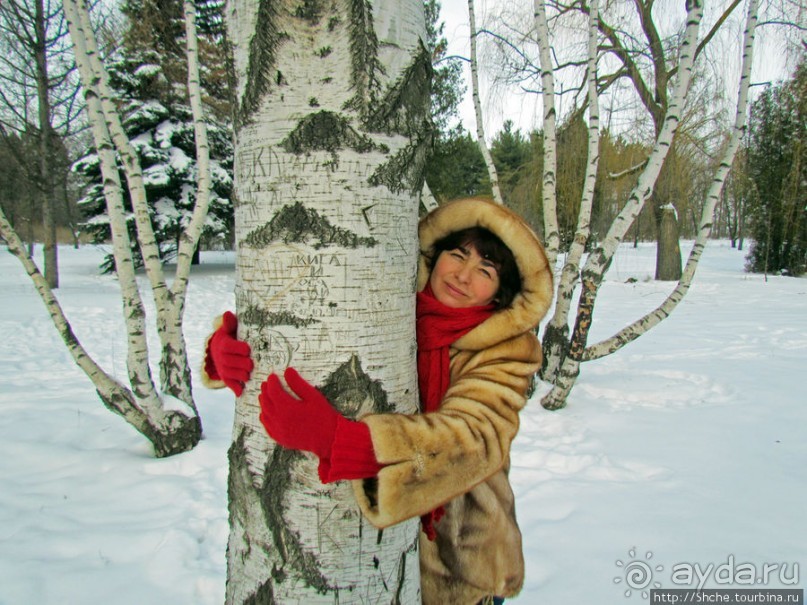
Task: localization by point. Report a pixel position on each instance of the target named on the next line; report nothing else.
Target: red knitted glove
(227, 358)
(311, 423)
(307, 423)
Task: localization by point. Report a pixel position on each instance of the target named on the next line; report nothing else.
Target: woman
(483, 286)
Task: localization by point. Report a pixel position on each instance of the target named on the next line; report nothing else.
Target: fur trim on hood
(533, 301)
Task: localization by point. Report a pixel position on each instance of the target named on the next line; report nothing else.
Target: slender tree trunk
(178, 429)
(570, 370)
(639, 327)
(332, 103)
(169, 303)
(46, 155)
(599, 260)
(493, 175)
(549, 178)
(556, 335)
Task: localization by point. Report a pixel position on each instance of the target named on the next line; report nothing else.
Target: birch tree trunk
(599, 260)
(332, 117)
(169, 302)
(569, 366)
(642, 325)
(174, 428)
(556, 335)
(549, 178)
(493, 175)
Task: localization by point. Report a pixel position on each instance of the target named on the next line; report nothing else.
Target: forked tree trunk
(598, 262)
(556, 335)
(332, 109)
(171, 428)
(593, 272)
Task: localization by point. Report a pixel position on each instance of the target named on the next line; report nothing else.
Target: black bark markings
(297, 224)
(352, 392)
(327, 131)
(262, 59)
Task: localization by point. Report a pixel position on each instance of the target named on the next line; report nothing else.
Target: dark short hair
(489, 247)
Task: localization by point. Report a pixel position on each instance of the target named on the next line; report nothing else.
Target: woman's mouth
(455, 291)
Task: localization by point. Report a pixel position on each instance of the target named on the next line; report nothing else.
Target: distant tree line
(762, 201)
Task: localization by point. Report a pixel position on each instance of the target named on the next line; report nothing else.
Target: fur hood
(459, 455)
(531, 303)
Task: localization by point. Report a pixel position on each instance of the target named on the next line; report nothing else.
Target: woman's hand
(305, 422)
(309, 422)
(227, 358)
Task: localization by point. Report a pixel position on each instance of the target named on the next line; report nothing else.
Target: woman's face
(461, 278)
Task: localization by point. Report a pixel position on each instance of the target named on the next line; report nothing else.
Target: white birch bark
(549, 177)
(114, 395)
(190, 236)
(600, 259)
(642, 325)
(493, 175)
(556, 335)
(170, 431)
(175, 376)
(129, 159)
(134, 313)
(141, 406)
(331, 100)
(174, 367)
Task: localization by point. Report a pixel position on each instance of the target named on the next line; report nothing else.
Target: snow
(147, 70)
(685, 450)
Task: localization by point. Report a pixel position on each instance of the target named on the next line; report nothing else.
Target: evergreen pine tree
(510, 151)
(149, 74)
(455, 167)
(777, 166)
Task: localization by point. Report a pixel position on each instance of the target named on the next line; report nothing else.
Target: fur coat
(459, 456)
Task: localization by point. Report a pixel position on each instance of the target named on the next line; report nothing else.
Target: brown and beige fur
(459, 456)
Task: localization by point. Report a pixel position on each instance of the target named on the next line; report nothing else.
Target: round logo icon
(637, 573)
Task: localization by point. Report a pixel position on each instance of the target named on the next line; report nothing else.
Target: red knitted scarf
(438, 326)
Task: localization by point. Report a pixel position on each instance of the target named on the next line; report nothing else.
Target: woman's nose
(464, 274)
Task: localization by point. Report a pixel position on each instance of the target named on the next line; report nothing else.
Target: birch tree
(330, 131)
(557, 330)
(480, 125)
(166, 416)
(563, 357)
(550, 154)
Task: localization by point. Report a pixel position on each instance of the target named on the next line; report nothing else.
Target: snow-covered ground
(686, 452)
